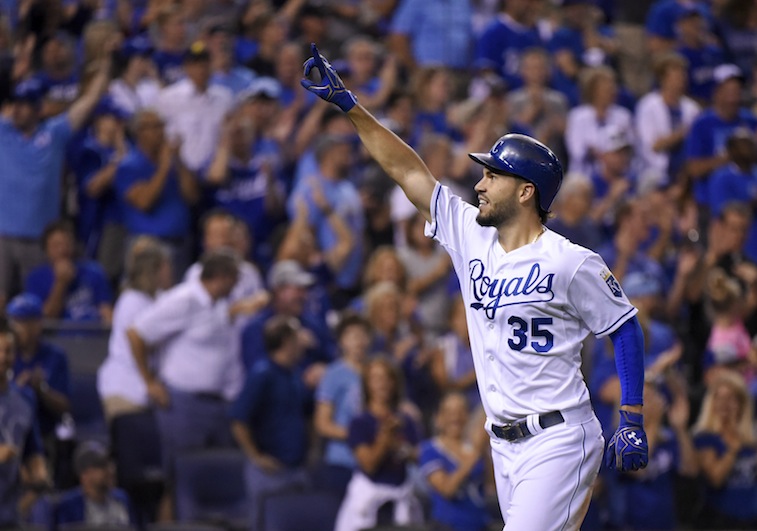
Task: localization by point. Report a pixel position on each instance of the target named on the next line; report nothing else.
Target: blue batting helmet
(527, 158)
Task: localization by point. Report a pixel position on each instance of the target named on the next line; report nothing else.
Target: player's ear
(527, 191)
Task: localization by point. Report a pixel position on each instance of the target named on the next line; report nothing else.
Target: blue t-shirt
(170, 65)
(340, 387)
(707, 138)
(236, 80)
(87, 291)
(169, 215)
(648, 494)
(662, 17)
(702, 62)
(273, 403)
(440, 31)
(501, 45)
(392, 470)
(64, 89)
(728, 184)
(738, 497)
(30, 181)
(466, 510)
(20, 429)
(54, 363)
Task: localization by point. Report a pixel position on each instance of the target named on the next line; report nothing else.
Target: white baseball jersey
(528, 310)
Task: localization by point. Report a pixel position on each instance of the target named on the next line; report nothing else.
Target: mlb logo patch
(613, 284)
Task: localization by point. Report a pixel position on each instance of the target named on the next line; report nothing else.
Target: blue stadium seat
(86, 408)
(210, 487)
(300, 510)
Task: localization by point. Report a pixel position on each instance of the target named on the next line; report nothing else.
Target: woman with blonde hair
(727, 454)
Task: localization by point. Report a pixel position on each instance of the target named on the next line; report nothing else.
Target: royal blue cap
(25, 306)
(31, 90)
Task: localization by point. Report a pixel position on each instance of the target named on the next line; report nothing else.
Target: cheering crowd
(165, 180)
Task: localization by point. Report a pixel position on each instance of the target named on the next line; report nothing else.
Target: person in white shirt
(137, 87)
(663, 118)
(119, 384)
(587, 122)
(199, 370)
(194, 110)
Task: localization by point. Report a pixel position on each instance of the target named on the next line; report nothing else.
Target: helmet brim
(492, 163)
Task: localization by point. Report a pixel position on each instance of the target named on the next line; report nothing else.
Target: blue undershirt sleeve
(628, 341)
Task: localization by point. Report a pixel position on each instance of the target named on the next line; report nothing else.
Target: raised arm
(396, 158)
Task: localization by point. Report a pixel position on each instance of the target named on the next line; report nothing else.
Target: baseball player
(531, 298)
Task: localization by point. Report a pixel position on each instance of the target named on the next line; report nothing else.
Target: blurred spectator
(705, 142)
(58, 74)
(535, 105)
(586, 123)
(95, 502)
(99, 226)
(194, 109)
(613, 178)
(738, 32)
(288, 283)
(171, 39)
(288, 73)
(500, 47)
(646, 498)
(661, 20)
(70, 289)
(574, 216)
(136, 87)
(22, 458)
(330, 192)
(737, 182)
(32, 159)
(633, 57)
(40, 367)
(199, 371)
(271, 31)
(624, 254)
(452, 365)
(155, 190)
(120, 385)
(385, 265)
(269, 418)
(421, 36)
(663, 118)
(729, 346)
(580, 40)
(225, 72)
(724, 439)
(428, 268)
(338, 401)
(242, 174)
(702, 55)
(371, 81)
(432, 93)
(384, 441)
(455, 469)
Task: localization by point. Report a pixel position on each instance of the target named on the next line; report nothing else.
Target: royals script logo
(492, 293)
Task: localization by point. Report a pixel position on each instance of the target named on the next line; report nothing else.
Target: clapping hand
(330, 88)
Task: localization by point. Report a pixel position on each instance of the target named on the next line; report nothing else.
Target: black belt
(519, 430)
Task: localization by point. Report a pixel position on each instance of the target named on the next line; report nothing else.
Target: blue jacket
(71, 508)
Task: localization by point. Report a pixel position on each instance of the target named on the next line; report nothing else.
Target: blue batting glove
(331, 87)
(628, 449)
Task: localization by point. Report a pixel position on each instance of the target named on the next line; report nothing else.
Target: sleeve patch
(611, 282)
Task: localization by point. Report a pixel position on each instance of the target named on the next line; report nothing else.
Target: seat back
(300, 510)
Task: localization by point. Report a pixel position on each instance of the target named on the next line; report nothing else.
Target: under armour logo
(635, 439)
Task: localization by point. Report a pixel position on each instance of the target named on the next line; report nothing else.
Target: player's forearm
(628, 342)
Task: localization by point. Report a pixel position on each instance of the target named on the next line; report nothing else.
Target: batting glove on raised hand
(331, 88)
(628, 449)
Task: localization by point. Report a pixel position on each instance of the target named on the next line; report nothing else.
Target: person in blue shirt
(154, 189)
(70, 289)
(171, 45)
(455, 470)
(94, 164)
(225, 70)
(94, 502)
(40, 367)
(338, 401)
(58, 73)
(426, 33)
(500, 46)
(21, 451)
(32, 160)
(706, 139)
(737, 182)
(727, 454)
(661, 19)
(702, 55)
(269, 418)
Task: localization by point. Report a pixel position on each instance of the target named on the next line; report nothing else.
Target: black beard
(499, 216)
